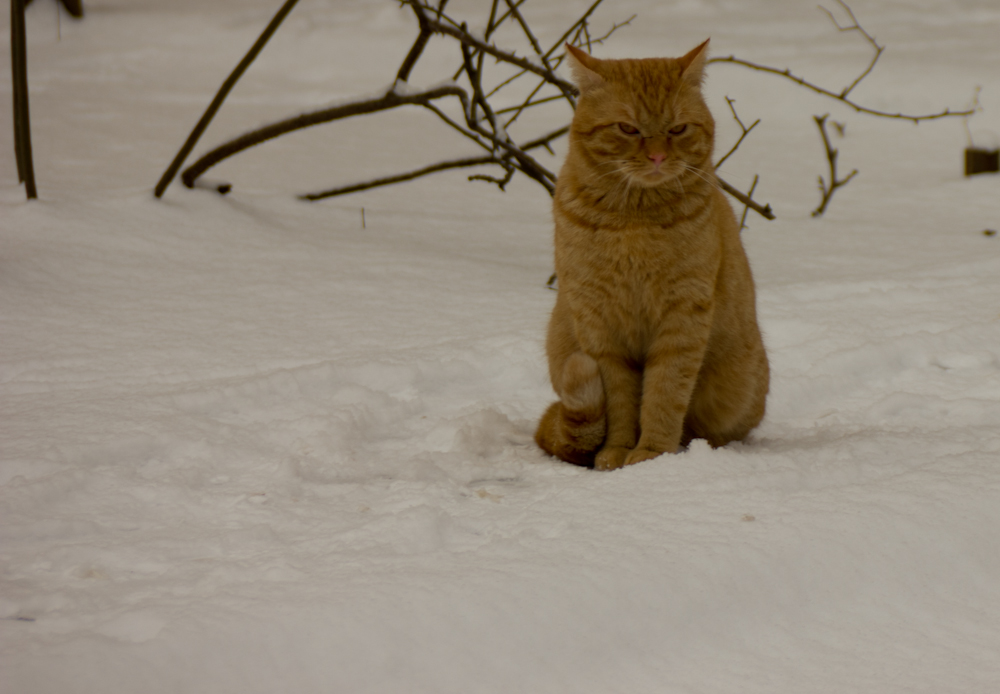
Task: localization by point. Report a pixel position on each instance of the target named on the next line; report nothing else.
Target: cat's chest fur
(621, 281)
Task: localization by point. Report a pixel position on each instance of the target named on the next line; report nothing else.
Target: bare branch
(481, 122)
(517, 110)
(22, 117)
(470, 40)
(474, 74)
(501, 182)
(577, 24)
(613, 29)
(415, 52)
(856, 26)
(844, 93)
(389, 180)
(502, 84)
(746, 208)
(491, 23)
(443, 166)
(525, 162)
(786, 73)
(466, 132)
(546, 139)
(745, 129)
(831, 156)
(389, 101)
(763, 210)
(528, 104)
(527, 31)
(220, 96)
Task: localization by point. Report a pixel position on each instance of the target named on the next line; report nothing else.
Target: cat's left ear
(693, 63)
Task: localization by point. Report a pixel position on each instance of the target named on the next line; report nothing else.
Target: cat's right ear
(585, 68)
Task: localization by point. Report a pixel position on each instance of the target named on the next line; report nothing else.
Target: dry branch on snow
(478, 86)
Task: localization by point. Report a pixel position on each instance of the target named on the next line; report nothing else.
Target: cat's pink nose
(657, 158)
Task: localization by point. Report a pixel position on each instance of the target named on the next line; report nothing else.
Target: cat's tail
(573, 428)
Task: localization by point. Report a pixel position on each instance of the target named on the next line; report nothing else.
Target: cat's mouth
(652, 176)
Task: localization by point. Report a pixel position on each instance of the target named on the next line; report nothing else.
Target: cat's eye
(678, 129)
(628, 129)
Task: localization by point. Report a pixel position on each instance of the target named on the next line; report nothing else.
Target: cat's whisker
(710, 180)
(619, 170)
(618, 164)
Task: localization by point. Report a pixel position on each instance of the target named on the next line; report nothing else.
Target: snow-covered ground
(251, 446)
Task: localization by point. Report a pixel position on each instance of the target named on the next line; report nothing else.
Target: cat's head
(642, 120)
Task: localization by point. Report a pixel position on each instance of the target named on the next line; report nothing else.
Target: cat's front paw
(637, 455)
(611, 458)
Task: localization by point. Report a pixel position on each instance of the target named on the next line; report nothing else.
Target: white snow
(250, 446)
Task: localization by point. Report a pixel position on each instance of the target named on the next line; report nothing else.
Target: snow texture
(249, 445)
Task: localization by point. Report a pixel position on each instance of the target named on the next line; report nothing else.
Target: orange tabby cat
(653, 340)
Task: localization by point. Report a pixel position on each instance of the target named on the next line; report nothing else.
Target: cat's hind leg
(574, 427)
(729, 399)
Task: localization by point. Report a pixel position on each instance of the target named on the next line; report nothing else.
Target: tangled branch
(480, 123)
(843, 96)
(474, 90)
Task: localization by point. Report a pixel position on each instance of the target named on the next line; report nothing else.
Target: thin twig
(745, 129)
(613, 29)
(975, 106)
(525, 162)
(763, 210)
(502, 84)
(529, 104)
(475, 79)
(470, 40)
(831, 156)
(545, 139)
(581, 21)
(500, 182)
(746, 208)
(868, 37)
(491, 26)
(527, 31)
(472, 135)
(389, 180)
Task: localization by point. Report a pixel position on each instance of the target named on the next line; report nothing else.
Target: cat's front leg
(623, 390)
(667, 384)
